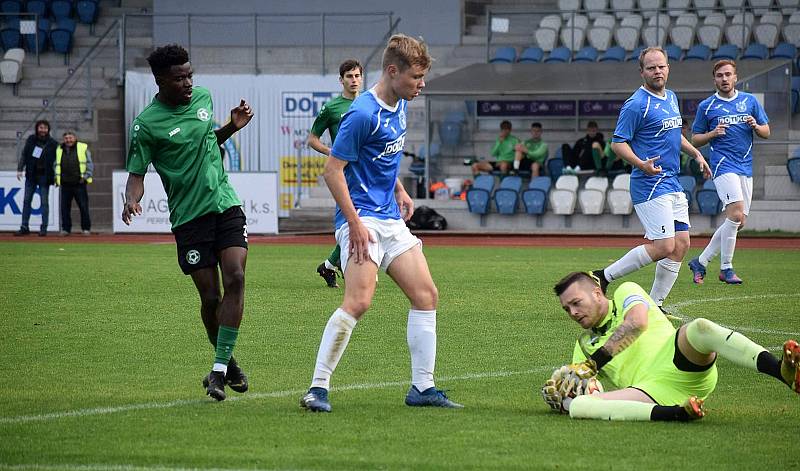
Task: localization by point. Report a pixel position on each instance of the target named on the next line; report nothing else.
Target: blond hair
(405, 51)
(722, 63)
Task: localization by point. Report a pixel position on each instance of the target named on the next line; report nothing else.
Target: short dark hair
(165, 57)
(573, 277)
(592, 124)
(505, 124)
(536, 125)
(42, 121)
(349, 65)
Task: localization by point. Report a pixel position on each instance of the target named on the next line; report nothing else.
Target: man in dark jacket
(587, 151)
(37, 161)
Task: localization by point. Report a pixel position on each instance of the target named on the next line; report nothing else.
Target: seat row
(56, 35)
(623, 8)
(86, 11)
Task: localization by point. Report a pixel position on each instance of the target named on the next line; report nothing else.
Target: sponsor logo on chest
(671, 123)
(733, 119)
(392, 147)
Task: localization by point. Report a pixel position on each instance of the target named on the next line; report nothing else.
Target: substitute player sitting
(657, 373)
(727, 121)
(361, 173)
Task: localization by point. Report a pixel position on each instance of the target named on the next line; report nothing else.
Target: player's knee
(210, 299)
(701, 325)
(426, 298)
(234, 280)
(356, 307)
(663, 248)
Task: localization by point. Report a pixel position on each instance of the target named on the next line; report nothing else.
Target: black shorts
(201, 239)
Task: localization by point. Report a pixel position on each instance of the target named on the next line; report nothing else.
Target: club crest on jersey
(203, 114)
(741, 106)
(402, 118)
(392, 147)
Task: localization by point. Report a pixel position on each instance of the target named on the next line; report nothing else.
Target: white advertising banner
(12, 192)
(258, 192)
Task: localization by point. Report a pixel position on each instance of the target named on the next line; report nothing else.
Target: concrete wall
(438, 22)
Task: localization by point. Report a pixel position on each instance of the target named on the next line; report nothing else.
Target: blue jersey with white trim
(651, 125)
(371, 138)
(732, 152)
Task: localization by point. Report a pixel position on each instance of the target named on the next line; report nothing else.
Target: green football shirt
(633, 364)
(504, 150)
(536, 150)
(181, 144)
(330, 116)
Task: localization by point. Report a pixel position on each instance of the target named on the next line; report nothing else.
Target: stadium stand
(619, 7)
(30, 39)
(479, 196)
(793, 167)
(586, 54)
(688, 183)
(506, 195)
(531, 55)
(707, 200)
(555, 166)
(505, 54)
(559, 54)
(592, 197)
(674, 52)
(61, 9)
(10, 37)
(87, 11)
(564, 196)
(698, 52)
(619, 196)
(534, 198)
(613, 54)
(595, 8)
(11, 67)
(546, 38)
(726, 51)
(61, 37)
(755, 51)
(38, 7)
(705, 7)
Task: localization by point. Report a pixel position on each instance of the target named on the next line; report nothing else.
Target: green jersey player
(351, 77)
(656, 372)
(174, 133)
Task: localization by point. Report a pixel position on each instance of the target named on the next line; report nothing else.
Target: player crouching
(658, 373)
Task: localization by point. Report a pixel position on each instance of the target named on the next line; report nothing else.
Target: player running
(648, 136)
(727, 121)
(174, 133)
(361, 173)
(658, 373)
(351, 77)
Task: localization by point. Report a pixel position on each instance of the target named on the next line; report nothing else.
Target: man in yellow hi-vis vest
(74, 169)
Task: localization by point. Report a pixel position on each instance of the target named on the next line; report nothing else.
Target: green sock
(706, 337)
(226, 339)
(588, 407)
(334, 258)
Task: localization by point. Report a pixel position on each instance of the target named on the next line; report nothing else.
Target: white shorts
(392, 239)
(732, 188)
(658, 216)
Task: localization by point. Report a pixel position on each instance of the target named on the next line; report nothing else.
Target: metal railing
(249, 31)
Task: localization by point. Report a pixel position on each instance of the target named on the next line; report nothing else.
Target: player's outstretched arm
(240, 116)
(134, 190)
(688, 148)
(360, 237)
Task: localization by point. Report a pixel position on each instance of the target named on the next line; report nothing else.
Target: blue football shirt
(651, 125)
(733, 152)
(371, 138)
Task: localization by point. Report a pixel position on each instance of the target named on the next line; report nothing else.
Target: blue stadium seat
(708, 201)
(67, 24)
(698, 52)
(613, 54)
(10, 6)
(61, 9)
(37, 6)
(555, 166)
(793, 166)
(559, 54)
(634, 55)
(535, 197)
(726, 51)
(531, 55)
(586, 54)
(450, 128)
(479, 195)
(755, 51)
(784, 51)
(507, 195)
(505, 54)
(688, 183)
(674, 52)
(9, 34)
(61, 37)
(87, 11)
(30, 39)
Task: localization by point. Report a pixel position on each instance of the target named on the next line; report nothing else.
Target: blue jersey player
(361, 173)
(727, 121)
(648, 136)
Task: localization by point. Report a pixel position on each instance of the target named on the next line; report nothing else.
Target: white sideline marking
(675, 311)
(274, 394)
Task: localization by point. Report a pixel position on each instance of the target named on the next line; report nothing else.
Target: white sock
(421, 337)
(331, 347)
(329, 265)
(666, 274)
(728, 231)
(629, 263)
(220, 367)
(712, 249)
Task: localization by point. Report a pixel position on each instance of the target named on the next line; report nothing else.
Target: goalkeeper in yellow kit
(654, 371)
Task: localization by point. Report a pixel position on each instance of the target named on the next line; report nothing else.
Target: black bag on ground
(427, 219)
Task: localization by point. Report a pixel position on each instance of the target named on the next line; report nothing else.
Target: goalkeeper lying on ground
(656, 372)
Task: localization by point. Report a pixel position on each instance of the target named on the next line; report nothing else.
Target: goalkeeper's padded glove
(551, 396)
(585, 369)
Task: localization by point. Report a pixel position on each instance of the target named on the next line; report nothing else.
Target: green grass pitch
(103, 352)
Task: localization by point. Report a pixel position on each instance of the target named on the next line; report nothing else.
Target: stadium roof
(583, 78)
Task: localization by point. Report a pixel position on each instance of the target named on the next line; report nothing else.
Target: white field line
(262, 395)
(674, 309)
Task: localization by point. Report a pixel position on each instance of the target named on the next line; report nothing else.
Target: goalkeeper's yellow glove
(551, 396)
(585, 369)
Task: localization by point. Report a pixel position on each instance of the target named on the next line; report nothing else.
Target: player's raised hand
(360, 237)
(720, 129)
(751, 121)
(649, 166)
(241, 115)
(129, 210)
